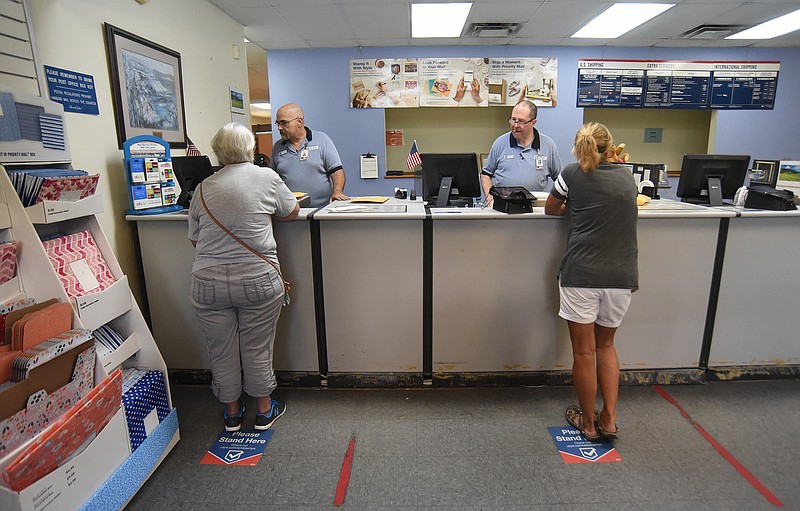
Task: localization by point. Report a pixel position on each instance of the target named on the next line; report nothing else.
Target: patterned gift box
(148, 393)
(44, 409)
(73, 253)
(70, 434)
(70, 188)
(8, 261)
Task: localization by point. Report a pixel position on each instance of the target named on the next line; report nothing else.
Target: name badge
(304, 154)
(283, 152)
(313, 147)
(540, 162)
(509, 157)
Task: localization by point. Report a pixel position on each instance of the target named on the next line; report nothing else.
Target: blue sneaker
(233, 422)
(265, 420)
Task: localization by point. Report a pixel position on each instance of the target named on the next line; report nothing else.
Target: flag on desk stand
(191, 149)
(413, 157)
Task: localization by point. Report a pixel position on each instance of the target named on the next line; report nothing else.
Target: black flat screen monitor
(450, 179)
(190, 172)
(711, 178)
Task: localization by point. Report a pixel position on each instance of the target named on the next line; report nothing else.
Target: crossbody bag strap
(245, 245)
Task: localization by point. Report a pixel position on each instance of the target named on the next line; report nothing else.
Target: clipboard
(369, 166)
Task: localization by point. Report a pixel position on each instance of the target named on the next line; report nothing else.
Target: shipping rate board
(677, 84)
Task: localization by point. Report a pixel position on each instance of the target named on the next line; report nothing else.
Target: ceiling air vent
(496, 29)
(708, 31)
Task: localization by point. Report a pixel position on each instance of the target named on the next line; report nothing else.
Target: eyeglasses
(513, 121)
(282, 124)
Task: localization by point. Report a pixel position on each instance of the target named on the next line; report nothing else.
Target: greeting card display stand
(150, 178)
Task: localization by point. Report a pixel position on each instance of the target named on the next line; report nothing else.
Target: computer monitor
(765, 172)
(190, 172)
(711, 178)
(450, 179)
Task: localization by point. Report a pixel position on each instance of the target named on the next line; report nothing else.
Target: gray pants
(238, 306)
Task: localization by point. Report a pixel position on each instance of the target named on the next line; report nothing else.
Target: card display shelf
(110, 360)
(105, 457)
(5, 217)
(75, 481)
(48, 211)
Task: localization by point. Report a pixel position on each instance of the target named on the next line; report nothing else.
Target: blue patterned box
(146, 395)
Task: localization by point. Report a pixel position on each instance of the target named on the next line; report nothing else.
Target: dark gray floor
(489, 449)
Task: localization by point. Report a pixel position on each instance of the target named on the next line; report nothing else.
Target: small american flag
(191, 149)
(413, 157)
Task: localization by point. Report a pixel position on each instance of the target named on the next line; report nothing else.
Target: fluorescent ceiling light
(620, 18)
(246, 40)
(773, 28)
(263, 106)
(438, 20)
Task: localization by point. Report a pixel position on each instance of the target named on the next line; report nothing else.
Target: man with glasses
(307, 161)
(521, 157)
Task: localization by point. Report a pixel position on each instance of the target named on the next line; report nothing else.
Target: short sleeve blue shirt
(510, 164)
(308, 169)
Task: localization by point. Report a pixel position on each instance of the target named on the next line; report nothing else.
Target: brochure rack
(106, 474)
(148, 172)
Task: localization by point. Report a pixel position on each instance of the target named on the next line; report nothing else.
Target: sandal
(575, 419)
(609, 435)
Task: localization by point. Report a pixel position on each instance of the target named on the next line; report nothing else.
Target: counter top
(404, 209)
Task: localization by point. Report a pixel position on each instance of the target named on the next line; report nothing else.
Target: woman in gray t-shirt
(598, 272)
(237, 290)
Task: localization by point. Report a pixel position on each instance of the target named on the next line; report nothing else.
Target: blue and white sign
(574, 448)
(73, 90)
(243, 448)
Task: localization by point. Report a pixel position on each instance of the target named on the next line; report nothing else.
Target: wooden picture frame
(147, 83)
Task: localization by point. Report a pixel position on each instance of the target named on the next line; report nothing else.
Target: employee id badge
(304, 154)
(539, 162)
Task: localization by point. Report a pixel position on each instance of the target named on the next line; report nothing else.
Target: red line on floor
(748, 476)
(344, 478)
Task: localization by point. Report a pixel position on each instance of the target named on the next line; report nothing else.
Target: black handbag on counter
(766, 197)
(512, 199)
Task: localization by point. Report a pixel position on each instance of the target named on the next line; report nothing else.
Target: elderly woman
(237, 289)
(598, 273)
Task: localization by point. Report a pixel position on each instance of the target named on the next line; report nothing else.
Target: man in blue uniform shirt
(307, 161)
(521, 157)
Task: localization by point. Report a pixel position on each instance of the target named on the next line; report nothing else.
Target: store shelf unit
(36, 278)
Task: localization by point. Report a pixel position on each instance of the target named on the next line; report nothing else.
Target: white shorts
(604, 306)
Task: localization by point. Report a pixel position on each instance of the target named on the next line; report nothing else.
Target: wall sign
(72, 89)
(677, 84)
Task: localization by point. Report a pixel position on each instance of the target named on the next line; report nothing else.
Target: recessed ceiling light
(620, 18)
(263, 106)
(246, 40)
(772, 28)
(438, 20)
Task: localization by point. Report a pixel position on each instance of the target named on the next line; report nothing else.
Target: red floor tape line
(344, 478)
(748, 476)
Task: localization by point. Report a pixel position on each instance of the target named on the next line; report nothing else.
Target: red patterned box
(79, 263)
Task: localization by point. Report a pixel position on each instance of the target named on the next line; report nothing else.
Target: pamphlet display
(149, 174)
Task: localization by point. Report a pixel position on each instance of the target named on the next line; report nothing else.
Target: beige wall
(685, 132)
(444, 130)
(69, 34)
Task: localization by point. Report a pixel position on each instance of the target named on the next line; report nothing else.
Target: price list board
(677, 84)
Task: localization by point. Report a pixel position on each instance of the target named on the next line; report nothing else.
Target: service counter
(399, 294)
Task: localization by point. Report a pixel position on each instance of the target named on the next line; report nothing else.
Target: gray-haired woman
(237, 292)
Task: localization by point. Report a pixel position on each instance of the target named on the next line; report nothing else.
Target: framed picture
(148, 88)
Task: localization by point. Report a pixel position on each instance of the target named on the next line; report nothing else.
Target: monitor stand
(186, 194)
(444, 192)
(714, 191)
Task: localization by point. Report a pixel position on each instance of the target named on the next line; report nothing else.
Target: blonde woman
(598, 273)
